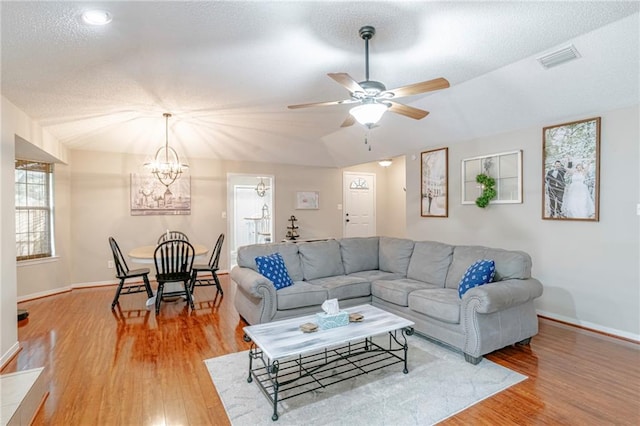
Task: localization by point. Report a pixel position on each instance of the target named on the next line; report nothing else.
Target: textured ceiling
(227, 70)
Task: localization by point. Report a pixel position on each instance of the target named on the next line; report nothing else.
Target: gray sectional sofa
(417, 280)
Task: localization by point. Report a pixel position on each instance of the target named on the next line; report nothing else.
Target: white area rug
(440, 384)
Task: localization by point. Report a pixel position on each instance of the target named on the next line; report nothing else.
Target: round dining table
(144, 254)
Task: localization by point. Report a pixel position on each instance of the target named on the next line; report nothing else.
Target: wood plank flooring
(129, 367)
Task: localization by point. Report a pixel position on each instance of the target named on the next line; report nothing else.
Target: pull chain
(366, 140)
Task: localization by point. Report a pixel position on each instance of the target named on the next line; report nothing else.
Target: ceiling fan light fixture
(369, 114)
(96, 17)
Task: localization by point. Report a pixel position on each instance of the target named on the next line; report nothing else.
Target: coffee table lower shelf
(283, 379)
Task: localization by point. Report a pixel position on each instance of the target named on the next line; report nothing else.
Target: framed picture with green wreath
(492, 179)
(434, 193)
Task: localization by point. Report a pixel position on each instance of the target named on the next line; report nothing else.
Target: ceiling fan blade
(407, 110)
(315, 104)
(347, 81)
(425, 86)
(349, 121)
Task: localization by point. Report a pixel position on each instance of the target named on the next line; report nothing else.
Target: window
(505, 168)
(34, 211)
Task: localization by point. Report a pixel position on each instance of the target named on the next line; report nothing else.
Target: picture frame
(434, 183)
(307, 200)
(505, 168)
(571, 171)
(150, 197)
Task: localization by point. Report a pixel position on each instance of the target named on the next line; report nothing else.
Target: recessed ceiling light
(96, 17)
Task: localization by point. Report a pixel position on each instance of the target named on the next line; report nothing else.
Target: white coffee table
(292, 362)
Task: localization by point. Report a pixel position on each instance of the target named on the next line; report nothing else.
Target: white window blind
(33, 209)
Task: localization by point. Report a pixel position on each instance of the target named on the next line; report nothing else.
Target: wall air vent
(559, 57)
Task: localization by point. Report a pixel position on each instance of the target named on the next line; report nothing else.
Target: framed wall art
(434, 175)
(571, 170)
(505, 168)
(307, 200)
(150, 197)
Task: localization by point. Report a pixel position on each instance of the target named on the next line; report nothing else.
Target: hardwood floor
(129, 367)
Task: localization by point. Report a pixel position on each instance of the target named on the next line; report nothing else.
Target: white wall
(590, 270)
(99, 208)
(16, 123)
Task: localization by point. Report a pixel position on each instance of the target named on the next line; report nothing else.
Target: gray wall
(590, 270)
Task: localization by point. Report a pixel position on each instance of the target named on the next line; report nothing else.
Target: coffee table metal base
(283, 379)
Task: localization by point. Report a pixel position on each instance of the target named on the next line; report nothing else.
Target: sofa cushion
(273, 268)
(300, 295)
(440, 303)
(376, 275)
(510, 264)
(359, 254)
(430, 262)
(289, 252)
(343, 286)
(395, 254)
(480, 273)
(320, 259)
(397, 291)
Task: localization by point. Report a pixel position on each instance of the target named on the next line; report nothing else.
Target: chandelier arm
(166, 138)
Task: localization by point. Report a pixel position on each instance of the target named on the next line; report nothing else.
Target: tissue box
(326, 321)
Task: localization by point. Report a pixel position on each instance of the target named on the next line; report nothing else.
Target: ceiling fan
(372, 96)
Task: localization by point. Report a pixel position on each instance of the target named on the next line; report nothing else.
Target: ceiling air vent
(558, 57)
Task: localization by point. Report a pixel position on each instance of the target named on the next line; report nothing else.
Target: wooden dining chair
(210, 268)
(123, 273)
(172, 235)
(174, 261)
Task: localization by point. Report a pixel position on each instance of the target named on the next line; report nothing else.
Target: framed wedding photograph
(307, 200)
(434, 192)
(571, 171)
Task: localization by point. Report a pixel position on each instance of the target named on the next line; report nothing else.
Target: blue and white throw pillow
(273, 268)
(480, 273)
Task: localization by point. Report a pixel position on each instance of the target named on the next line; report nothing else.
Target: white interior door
(359, 209)
(250, 212)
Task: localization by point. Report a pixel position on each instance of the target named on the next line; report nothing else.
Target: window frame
(49, 247)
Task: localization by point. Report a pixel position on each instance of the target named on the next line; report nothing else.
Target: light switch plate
(638, 209)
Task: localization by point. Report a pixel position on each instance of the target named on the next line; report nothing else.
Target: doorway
(359, 199)
(250, 211)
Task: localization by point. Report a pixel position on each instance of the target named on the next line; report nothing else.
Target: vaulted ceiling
(227, 71)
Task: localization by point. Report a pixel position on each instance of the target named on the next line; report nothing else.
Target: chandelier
(261, 188)
(166, 165)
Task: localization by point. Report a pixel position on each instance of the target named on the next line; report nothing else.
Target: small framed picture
(571, 171)
(434, 191)
(307, 200)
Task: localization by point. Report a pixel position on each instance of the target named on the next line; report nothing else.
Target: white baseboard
(591, 326)
(64, 289)
(8, 356)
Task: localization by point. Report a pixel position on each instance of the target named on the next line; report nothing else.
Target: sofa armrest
(253, 283)
(255, 299)
(501, 295)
